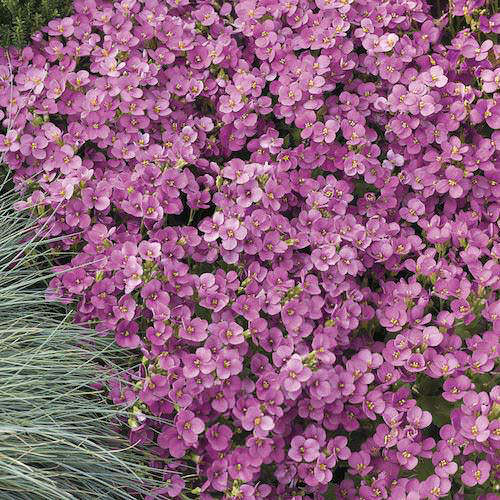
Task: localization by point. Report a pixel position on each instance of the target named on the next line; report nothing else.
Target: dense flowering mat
(289, 210)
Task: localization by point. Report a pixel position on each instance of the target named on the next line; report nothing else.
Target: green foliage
(19, 19)
(59, 434)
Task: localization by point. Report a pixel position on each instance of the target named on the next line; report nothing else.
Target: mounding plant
(287, 212)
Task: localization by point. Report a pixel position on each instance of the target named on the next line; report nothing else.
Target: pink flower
(475, 473)
(8, 142)
(475, 428)
(126, 335)
(228, 363)
(325, 132)
(435, 77)
(294, 374)
(188, 426)
(303, 449)
(63, 27)
(194, 330)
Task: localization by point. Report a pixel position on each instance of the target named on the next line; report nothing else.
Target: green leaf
(438, 407)
(424, 469)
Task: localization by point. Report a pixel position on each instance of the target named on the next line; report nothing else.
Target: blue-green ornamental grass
(59, 434)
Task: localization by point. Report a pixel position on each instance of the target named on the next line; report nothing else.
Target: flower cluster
(289, 212)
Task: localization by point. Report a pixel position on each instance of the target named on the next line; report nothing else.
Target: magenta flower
(61, 27)
(8, 142)
(34, 146)
(219, 436)
(126, 335)
(325, 132)
(443, 463)
(434, 77)
(407, 454)
(205, 15)
(302, 449)
(291, 293)
(228, 363)
(373, 404)
(155, 298)
(254, 420)
(419, 418)
(229, 332)
(76, 280)
(240, 465)
(475, 473)
(324, 257)
(172, 440)
(415, 363)
(231, 232)
(393, 318)
(149, 250)
(76, 214)
(159, 333)
(443, 366)
(194, 330)
(294, 374)
(217, 475)
(435, 487)
(475, 428)
(98, 198)
(292, 314)
(188, 426)
(414, 209)
(347, 262)
(360, 463)
(125, 308)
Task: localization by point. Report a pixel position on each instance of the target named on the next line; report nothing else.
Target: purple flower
(228, 363)
(200, 362)
(149, 250)
(360, 463)
(34, 146)
(325, 132)
(217, 474)
(475, 428)
(155, 298)
(254, 420)
(126, 334)
(8, 142)
(76, 280)
(414, 209)
(170, 439)
(294, 373)
(240, 465)
(219, 436)
(283, 285)
(61, 27)
(475, 473)
(435, 487)
(231, 232)
(194, 330)
(393, 318)
(125, 308)
(407, 454)
(443, 463)
(302, 449)
(188, 426)
(419, 418)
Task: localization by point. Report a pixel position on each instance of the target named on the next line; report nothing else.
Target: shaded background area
(20, 18)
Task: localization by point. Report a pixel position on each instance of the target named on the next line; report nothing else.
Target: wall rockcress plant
(289, 210)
